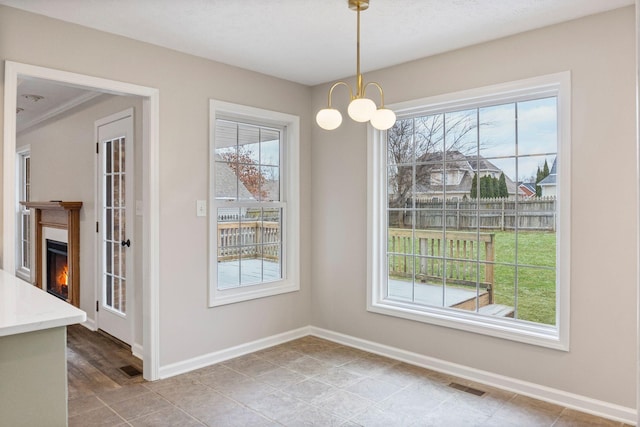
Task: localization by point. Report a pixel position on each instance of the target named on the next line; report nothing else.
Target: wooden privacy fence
(537, 214)
(433, 256)
(248, 239)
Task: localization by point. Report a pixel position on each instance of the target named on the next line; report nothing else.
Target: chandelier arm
(379, 89)
(336, 84)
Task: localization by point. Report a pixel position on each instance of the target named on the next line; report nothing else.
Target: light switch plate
(201, 208)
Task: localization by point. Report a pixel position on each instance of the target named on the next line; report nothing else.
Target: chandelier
(361, 109)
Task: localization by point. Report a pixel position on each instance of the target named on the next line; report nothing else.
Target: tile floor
(313, 382)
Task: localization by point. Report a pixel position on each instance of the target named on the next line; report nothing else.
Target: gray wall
(188, 328)
(600, 53)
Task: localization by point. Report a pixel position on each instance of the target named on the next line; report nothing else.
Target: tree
(423, 140)
(487, 187)
(490, 187)
(474, 186)
(503, 191)
(540, 175)
(247, 171)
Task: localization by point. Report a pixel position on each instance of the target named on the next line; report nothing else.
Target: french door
(115, 225)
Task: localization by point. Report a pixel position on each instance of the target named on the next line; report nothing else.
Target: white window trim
(21, 153)
(556, 337)
(290, 195)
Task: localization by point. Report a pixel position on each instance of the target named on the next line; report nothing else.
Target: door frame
(130, 173)
(150, 187)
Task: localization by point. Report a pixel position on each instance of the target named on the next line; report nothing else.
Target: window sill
(522, 331)
(220, 297)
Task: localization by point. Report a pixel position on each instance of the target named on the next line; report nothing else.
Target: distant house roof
(226, 183)
(455, 160)
(528, 189)
(551, 178)
(483, 165)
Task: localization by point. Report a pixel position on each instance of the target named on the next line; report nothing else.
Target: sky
(536, 136)
(516, 137)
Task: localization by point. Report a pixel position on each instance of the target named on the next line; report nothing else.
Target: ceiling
(313, 41)
(39, 100)
(305, 41)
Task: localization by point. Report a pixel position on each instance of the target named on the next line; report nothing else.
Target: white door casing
(150, 264)
(114, 201)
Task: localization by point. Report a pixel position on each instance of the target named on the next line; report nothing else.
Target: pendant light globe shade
(329, 118)
(383, 119)
(361, 109)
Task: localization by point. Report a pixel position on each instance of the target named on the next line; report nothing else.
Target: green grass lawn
(536, 275)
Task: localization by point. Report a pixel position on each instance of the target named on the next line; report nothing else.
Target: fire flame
(63, 276)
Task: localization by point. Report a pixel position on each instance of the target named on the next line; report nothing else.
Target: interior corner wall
(599, 51)
(188, 327)
(63, 162)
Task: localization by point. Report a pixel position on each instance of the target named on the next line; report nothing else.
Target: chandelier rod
(360, 93)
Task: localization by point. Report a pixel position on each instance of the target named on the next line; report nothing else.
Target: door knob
(126, 243)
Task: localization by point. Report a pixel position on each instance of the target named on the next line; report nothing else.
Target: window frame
(23, 154)
(289, 201)
(555, 337)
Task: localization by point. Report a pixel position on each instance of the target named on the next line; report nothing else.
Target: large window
(254, 199)
(23, 267)
(468, 197)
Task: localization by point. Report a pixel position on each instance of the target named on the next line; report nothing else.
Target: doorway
(149, 207)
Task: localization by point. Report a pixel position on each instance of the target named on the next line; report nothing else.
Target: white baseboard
(559, 397)
(548, 394)
(229, 353)
(137, 350)
(90, 324)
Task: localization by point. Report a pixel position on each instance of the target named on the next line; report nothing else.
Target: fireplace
(57, 280)
(58, 223)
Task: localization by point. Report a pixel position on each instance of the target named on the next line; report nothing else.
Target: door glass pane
(109, 290)
(109, 190)
(114, 224)
(123, 298)
(115, 261)
(116, 293)
(116, 156)
(116, 190)
(108, 153)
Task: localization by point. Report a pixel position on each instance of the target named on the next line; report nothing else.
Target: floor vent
(466, 389)
(131, 371)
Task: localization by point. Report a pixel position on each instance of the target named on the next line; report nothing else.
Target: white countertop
(25, 308)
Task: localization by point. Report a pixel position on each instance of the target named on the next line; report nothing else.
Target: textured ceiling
(313, 41)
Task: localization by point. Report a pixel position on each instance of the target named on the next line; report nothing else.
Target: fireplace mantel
(63, 215)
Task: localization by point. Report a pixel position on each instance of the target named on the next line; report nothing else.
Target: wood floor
(94, 362)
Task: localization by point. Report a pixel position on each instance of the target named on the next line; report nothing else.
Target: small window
(23, 267)
(496, 262)
(254, 199)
